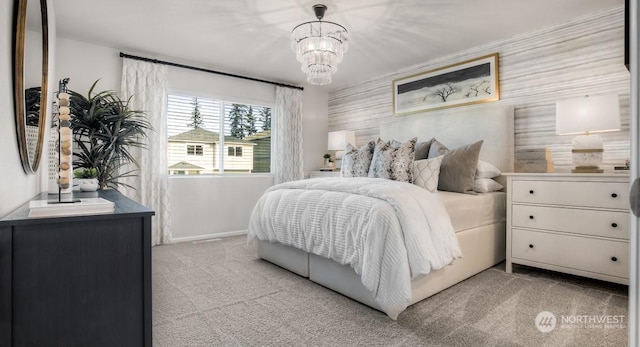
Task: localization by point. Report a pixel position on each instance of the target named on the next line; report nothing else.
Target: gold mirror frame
(20, 21)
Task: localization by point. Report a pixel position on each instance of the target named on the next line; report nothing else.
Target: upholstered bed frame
(482, 247)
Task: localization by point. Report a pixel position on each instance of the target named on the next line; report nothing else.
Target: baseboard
(208, 236)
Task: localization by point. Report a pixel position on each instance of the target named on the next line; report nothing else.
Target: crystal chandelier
(319, 47)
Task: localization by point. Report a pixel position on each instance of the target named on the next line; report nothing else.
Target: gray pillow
(422, 150)
(458, 169)
(436, 149)
(356, 161)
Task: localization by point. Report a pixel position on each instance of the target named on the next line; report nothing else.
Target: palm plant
(105, 129)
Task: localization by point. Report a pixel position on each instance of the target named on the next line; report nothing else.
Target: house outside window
(205, 127)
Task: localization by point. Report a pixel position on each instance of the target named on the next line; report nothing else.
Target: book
(533, 166)
(86, 206)
(533, 154)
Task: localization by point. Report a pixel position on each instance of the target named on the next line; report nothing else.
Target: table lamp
(337, 141)
(585, 116)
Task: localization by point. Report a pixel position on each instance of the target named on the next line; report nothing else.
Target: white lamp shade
(337, 140)
(590, 114)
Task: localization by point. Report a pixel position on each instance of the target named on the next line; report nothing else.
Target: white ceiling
(252, 36)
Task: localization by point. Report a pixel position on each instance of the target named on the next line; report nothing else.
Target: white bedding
(471, 211)
(389, 232)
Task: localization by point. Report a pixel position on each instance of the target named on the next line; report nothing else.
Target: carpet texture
(218, 293)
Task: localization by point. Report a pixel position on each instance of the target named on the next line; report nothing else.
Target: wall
(17, 187)
(315, 127)
(583, 56)
(85, 63)
(201, 207)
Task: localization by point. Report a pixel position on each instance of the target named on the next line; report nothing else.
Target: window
(234, 152)
(207, 126)
(195, 150)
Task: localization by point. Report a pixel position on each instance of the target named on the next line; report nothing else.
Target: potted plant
(327, 159)
(105, 130)
(87, 179)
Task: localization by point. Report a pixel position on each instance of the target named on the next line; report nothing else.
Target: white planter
(87, 184)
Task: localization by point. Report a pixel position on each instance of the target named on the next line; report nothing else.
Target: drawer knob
(530, 217)
(614, 259)
(614, 195)
(614, 225)
(531, 191)
(530, 246)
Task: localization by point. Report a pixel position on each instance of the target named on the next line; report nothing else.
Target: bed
(478, 220)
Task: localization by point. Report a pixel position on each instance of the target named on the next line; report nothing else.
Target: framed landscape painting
(469, 82)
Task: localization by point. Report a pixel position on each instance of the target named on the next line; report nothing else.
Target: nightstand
(316, 174)
(572, 223)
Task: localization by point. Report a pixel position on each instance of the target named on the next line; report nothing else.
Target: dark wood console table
(76, 281)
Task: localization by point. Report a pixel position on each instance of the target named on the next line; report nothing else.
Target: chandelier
(319, 47)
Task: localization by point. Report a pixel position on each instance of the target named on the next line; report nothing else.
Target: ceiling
(252, 36)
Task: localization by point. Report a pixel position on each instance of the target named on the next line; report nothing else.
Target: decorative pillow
(422, 149)
(393, 160)
(437, 149)
(402, 164)
(487, 170)
(395, 144)
(458, 169)
(426, 172)
(356, 161)
(381, 160)
(485, 185)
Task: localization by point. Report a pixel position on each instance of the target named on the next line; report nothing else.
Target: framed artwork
(469, 82)
(627, 34)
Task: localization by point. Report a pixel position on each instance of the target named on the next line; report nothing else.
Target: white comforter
(389, 232)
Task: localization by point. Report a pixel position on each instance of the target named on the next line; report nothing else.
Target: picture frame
(465, 83)
(627, 35)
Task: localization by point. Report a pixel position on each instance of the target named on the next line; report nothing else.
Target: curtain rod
(156, 61)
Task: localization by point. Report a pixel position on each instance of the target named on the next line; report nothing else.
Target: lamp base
(587, 169)
(587, 153)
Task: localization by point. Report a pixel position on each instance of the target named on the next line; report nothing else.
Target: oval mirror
(30, 80)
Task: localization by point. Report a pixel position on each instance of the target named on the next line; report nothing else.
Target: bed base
(482, 248)
(290, 258)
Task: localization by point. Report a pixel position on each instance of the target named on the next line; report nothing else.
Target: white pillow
(487, 170)
(485, 185)
(426, 173)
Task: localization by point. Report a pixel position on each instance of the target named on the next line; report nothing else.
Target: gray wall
(584, 56)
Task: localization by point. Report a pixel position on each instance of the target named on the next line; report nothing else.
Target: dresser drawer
(580, 253)
(589, 194)
(587, 222)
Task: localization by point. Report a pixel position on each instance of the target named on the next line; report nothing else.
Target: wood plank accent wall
(580, 57)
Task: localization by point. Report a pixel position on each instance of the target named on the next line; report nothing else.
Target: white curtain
(146, 84)
(287, 136)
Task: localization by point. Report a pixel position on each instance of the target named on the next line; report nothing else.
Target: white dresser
(573, 223)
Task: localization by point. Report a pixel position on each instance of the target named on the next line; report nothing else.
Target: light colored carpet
(220, 294)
